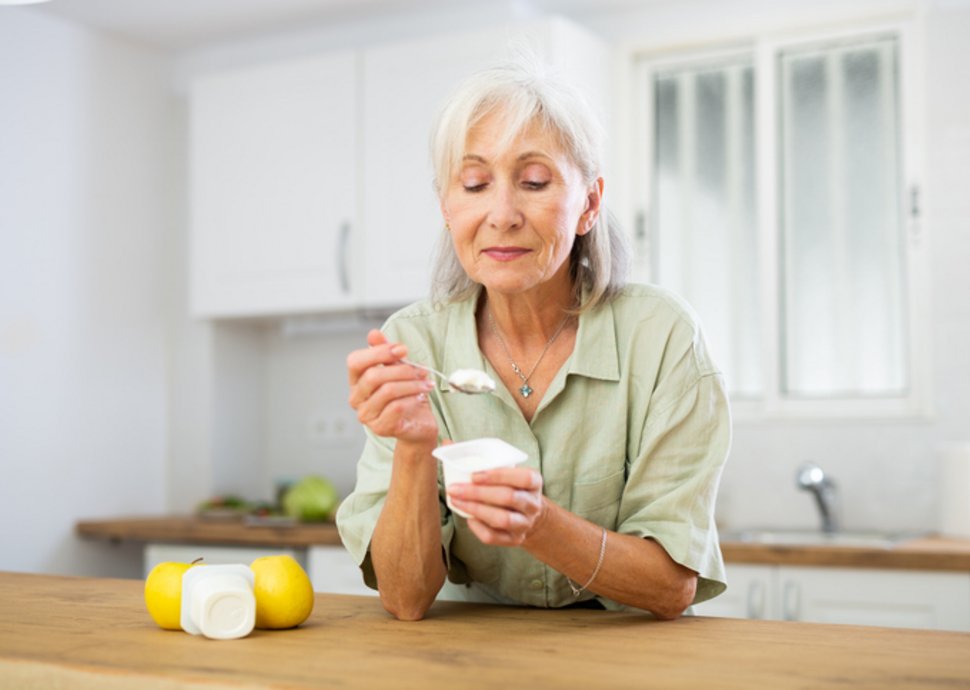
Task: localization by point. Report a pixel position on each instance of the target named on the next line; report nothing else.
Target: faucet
(810, 477)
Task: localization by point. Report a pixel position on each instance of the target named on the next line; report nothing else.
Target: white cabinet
(311, 185)
(330, 568)
(857, 596)
(893, 598)
(213, 554)
(404, 85)
(333, 570)
(750, 594)
(273, 202)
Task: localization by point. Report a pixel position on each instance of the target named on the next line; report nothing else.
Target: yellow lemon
(163, 593)
(284, 595)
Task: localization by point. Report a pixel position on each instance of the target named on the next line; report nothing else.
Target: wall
(85, 189)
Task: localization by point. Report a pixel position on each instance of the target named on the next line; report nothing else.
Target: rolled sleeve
(358, 514)
(672, 482)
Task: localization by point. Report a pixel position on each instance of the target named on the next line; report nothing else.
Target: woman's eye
(535, 184)
(474, 187)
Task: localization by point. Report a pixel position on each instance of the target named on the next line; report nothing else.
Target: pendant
(525, 390)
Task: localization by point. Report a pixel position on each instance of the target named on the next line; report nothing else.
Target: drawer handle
(343, 242)
(791, 601)
(756, 600)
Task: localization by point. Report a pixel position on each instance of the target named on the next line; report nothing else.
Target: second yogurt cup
(460, 460)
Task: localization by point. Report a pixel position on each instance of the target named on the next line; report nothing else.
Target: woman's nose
(504, 212)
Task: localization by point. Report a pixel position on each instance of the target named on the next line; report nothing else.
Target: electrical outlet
(339, 428)
(325, 427)
(319, 427)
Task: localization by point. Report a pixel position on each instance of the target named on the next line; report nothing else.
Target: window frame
(763, 50)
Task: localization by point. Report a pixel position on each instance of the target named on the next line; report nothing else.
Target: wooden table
(61, 632)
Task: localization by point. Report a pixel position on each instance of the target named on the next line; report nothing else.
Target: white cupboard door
(751, 593)
(214, 554)
(333, 570)
(890, 598)
(273, 187)
(405, 85)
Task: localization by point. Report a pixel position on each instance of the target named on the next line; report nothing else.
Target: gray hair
(524, 95)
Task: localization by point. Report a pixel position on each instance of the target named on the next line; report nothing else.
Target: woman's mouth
(505, 253)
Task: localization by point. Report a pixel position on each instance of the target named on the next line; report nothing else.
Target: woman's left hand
(506, 504)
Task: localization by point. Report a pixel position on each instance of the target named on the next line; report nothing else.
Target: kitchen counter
(194, 530)
(926, 553)
(95, 633)
(933, 553)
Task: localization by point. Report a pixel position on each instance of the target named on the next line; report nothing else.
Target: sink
(792, 537)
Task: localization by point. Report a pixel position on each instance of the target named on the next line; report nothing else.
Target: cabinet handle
(343, 242)
(791, 602)
(756, 599)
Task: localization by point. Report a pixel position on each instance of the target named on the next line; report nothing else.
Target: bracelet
(599, 564)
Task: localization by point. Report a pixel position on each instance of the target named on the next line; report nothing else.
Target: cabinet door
(213, 555)
(273, 187)
(751, 593)
(404, 85)
(332, 570)
(891, 598)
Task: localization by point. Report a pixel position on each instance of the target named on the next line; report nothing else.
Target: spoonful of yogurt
(468, 381)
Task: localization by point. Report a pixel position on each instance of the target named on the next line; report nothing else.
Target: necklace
(525, 389)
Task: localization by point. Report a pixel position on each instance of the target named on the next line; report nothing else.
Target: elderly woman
(606, 386)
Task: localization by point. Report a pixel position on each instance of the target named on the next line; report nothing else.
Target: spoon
(468, 381)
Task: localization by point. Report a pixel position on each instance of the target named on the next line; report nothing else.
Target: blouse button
(536, 584)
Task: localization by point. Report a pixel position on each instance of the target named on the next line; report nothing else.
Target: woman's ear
(445, 215)
(594, 201)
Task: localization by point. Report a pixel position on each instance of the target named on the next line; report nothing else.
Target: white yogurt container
(459, 461)
(218, 601)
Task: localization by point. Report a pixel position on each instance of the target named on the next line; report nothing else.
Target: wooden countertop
(930, 553)
(194, 530)
(95, 633)
(919, 554)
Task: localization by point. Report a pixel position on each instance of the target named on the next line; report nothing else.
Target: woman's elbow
(410, 614)
(677, 599)
(405, 610)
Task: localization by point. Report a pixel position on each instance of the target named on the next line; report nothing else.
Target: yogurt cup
(218, 601)
(459, 461)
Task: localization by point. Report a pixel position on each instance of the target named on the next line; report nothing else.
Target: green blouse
(632, 434)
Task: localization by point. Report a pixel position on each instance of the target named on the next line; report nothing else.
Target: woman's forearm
(406, 545)
(634, 571)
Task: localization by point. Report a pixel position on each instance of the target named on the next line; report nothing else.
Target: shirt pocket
(599, 500)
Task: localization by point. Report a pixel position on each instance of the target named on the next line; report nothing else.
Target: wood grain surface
(61, 632)
(931, 553)
(919, 554)
(189, 529)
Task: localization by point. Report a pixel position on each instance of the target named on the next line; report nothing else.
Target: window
(775, 179)
(841, 243)
(705, 226)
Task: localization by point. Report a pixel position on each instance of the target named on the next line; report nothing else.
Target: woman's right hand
(391, 398)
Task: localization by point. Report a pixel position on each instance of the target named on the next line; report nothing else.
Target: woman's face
(514, 214)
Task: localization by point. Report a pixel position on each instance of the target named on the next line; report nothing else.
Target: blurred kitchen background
(205, 205)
